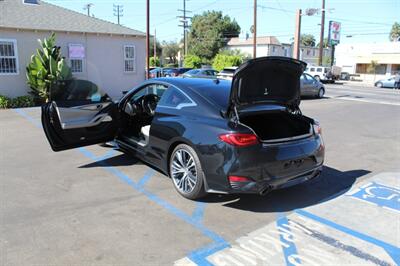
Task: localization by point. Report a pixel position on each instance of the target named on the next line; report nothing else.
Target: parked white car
(324, 74)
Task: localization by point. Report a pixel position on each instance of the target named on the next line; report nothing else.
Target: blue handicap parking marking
(381, 195)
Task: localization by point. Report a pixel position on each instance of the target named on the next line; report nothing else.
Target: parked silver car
(385, 83)
(309, 86)
(201, 73)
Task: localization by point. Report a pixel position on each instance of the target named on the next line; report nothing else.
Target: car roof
(207, 88)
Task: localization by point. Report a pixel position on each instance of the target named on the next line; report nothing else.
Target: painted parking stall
(359, 227)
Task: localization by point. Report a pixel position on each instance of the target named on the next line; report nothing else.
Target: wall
(103, 65)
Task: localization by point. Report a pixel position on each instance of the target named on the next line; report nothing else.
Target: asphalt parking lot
(97, 206)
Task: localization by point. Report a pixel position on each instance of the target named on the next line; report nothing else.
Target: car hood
(264, 80)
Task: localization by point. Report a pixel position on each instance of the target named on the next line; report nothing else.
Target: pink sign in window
(76, 51)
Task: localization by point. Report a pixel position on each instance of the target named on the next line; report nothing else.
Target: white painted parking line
(346, 98)
(357, 228)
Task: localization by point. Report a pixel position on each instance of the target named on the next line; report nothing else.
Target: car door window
(77, 91)
(157, 89)
(310, 78)
(319, 69)
(174, 98)
(312, 69)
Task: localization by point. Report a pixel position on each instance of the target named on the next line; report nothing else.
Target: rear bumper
(263, 187)
(267, 166)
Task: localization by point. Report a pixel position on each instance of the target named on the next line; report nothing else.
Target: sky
(366, 21)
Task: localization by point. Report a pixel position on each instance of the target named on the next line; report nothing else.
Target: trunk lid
(267, 80)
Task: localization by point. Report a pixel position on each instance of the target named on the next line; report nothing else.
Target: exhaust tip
(265, 191)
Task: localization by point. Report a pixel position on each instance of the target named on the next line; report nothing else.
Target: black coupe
(215, 136)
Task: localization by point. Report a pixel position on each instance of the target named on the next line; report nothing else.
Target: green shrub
(192, 61)
(4, 102)
(155, 62)
(46, 67)
(222, 60)
(171, 65)
(22, 101)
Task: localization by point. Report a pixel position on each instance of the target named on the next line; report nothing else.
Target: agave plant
(46, 68)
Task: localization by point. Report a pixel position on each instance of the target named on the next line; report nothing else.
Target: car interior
(139, 112)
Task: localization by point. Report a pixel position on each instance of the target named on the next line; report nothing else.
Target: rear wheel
(186, 172)
(379, 84)
(321, 93)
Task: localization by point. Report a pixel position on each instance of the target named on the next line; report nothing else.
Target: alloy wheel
(183, 171)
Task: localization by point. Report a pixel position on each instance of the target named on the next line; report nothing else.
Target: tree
(46, 68)
(307, 40)
(155, 62)
(326, 44)
(192, 61)
(209, 32)
(372, 68)
(170, 50)
(223, 60)
(395, 32)
(158, 47)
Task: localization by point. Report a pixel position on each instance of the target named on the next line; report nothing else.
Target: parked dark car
(310, 86)
(216, 136)
(176, 72)
(201, 73)
(156, 72)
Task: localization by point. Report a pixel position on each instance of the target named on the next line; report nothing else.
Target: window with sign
(76, 54)
(8, 57)
(129, 58)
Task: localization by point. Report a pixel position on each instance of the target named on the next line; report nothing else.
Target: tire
(379, 85)
(317, 78)
(321, 93)
(183, 183)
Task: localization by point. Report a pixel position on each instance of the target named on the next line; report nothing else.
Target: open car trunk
(278, 126)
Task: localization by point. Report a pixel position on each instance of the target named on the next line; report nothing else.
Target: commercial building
(358, 58)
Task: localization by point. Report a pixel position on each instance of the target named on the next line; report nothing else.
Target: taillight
(239, 139)
(317, 128)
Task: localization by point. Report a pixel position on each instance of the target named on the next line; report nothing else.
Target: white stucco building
(271, 46)
(355, 59)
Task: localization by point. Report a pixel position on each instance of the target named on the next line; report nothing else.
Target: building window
(76, 54)
(129, 58)
(76, 65)
(8, 57)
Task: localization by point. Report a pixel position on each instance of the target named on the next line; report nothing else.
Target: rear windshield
(216, 93)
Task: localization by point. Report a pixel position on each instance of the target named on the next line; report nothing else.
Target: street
(363, 94)
(98, 206)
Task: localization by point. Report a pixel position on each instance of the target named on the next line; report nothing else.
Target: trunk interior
(280, 125)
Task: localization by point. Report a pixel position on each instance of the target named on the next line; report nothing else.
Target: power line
(118, 11)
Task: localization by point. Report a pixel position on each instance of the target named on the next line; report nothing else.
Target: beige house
(110, 55)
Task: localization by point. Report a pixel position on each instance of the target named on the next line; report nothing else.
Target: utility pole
(155, 46)
(118, 11)
(296, 44)
(255, 30)
(87, 7)
(321, 37)
(185, 25)
(147, 39)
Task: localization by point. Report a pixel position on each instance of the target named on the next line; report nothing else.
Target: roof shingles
(45, 16)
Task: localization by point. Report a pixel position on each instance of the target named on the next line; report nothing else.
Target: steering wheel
(149, 103)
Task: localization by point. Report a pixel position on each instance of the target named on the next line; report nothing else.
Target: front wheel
(186, 172)
(379, 85)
